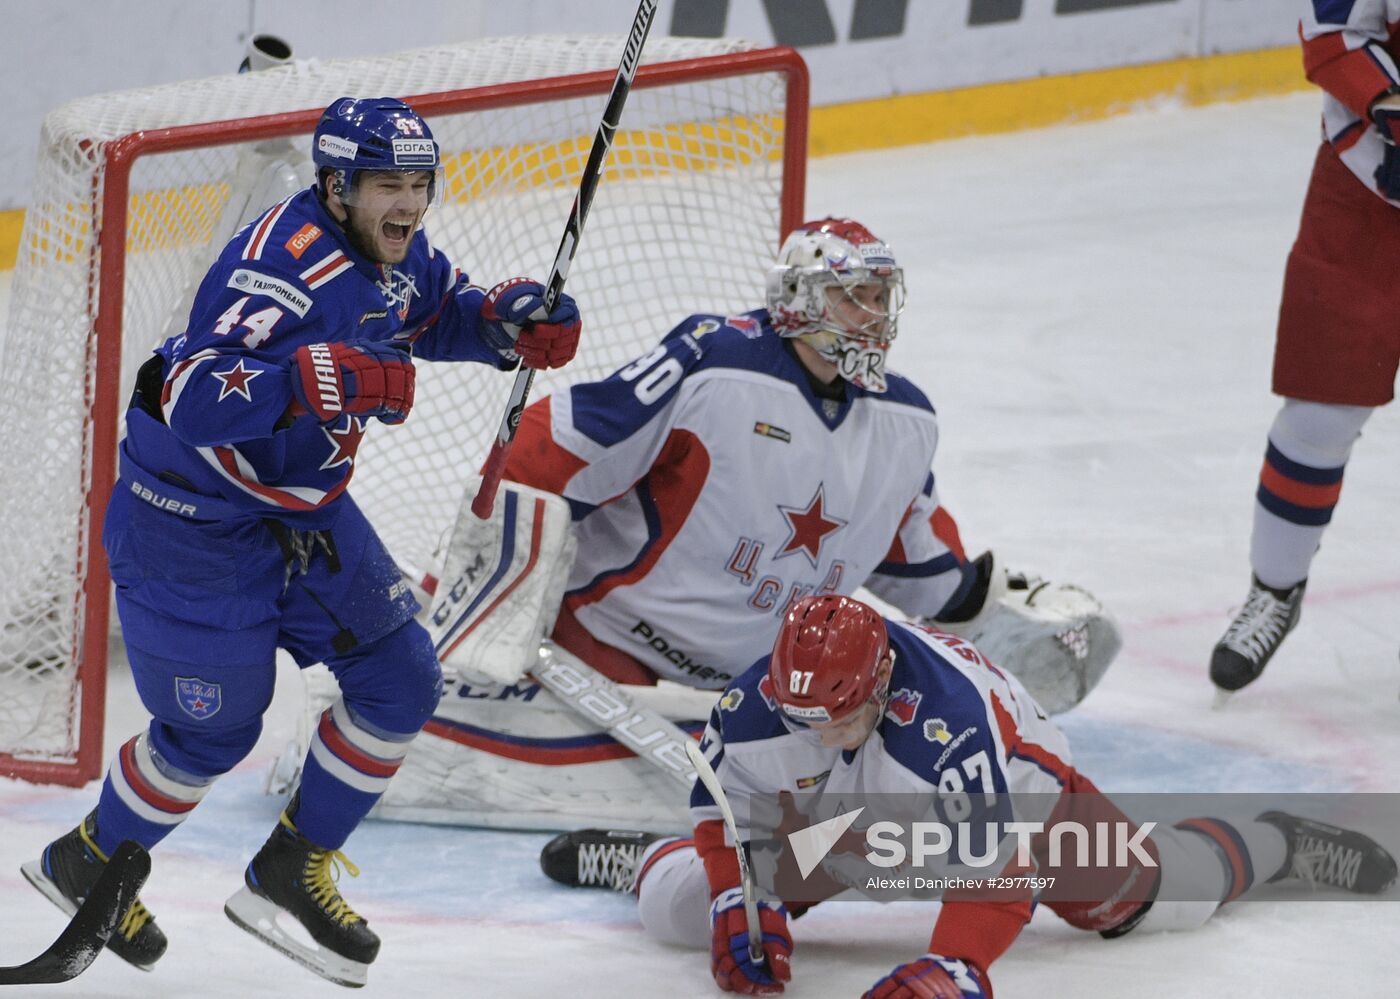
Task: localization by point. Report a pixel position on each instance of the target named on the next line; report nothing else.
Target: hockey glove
(517, 325)
(729, 949)
(931, 977)
(330, 380)
(1385, 113)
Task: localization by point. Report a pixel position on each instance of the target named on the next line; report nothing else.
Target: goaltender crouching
(884, 708)
(743, 463)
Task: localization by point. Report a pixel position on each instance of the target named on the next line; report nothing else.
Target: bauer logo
(340, 148)
(415, 152)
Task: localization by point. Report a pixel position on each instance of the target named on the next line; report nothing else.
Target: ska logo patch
(198, 699)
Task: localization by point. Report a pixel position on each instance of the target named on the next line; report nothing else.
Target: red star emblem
(808, 527)
(345, 441)
(235, 381)
(198, 705)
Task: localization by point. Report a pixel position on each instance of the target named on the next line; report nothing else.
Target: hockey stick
(710, 779)
(92, 925)
(573, 231)
(583, 689)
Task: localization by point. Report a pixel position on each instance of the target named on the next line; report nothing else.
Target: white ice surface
(1092, 312)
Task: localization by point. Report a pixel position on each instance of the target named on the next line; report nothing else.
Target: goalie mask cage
(136, 192)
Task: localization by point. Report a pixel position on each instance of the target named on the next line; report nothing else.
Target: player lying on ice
(882, 707)
(743, 463)
(230, 533)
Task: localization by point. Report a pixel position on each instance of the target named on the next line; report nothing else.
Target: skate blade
(1222, 698)
(34, 873)
(258, 916)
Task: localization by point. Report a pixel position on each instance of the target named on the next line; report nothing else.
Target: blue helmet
(372, 133)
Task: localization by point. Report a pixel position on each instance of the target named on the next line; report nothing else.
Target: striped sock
(1233, 853)
(656, 851)
(144, 797)
(348, 767)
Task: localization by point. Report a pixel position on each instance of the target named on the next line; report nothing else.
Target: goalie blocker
(502, 750)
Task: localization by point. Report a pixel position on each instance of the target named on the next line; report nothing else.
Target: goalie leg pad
(501, 583)
(514, 756)
(1056, 638)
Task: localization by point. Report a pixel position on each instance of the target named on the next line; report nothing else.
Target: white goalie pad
(515, 756)
(495, 597)
(1056, 638)
(501, 582)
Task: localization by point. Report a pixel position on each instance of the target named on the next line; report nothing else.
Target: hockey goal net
(136, 192)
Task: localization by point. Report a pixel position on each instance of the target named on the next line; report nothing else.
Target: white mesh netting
(686, 218)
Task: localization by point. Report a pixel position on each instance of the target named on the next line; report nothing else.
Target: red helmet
(826, 660)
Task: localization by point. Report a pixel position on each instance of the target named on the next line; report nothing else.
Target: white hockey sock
(673, 894)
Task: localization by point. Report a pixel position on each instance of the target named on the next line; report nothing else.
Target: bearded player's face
(387, 209)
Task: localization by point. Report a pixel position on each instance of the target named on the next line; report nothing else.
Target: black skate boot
(1255, 634)
(1325, 856)
(66, 872)
(596, 858)
(292, 874)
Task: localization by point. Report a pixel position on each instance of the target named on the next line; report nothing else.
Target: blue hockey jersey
(290, 278)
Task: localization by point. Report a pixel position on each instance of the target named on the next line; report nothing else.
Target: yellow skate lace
(137, 915)
(320, 874)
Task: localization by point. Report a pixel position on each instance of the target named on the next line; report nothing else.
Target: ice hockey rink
(1091, 310)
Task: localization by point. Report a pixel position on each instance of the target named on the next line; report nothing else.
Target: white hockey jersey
(952, 722)
(712, 487)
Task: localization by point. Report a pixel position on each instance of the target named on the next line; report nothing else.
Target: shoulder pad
(746, 710)
(901, 390)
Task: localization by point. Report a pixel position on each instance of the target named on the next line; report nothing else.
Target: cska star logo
(808, 527)
(235, 381)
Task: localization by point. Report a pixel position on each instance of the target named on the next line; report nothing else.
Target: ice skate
(1329, 857)
(66, 872)
(596, 858)
(291, 877)
(1255, 635)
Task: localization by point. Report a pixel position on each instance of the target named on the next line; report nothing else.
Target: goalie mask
(827, 659)
(838, 288)
(372, 133)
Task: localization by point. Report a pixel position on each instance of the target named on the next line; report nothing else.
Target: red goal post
(705, 176)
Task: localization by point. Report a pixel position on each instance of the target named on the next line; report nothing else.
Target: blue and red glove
(518, 326)
(931, 977)
(1385, 113)
(730, 963)
(331, 380)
